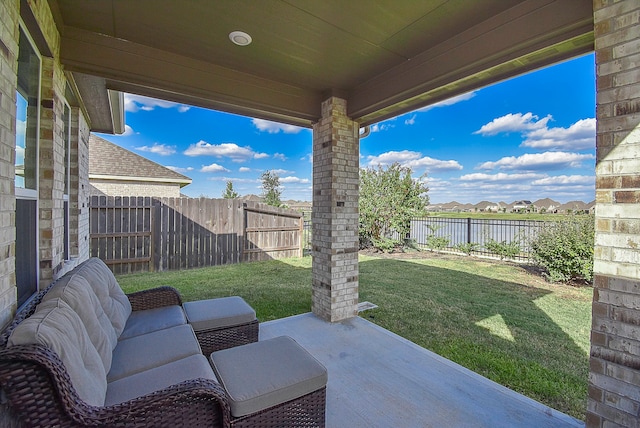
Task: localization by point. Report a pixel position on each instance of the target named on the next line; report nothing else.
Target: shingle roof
(108, 159)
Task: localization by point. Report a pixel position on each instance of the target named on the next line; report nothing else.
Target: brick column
(335, 213)
(9, 34)
(614, 379)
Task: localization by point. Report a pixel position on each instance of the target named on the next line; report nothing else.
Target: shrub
(503, 249)
(437, 242)
(389, 199)
(467, 247)
(565, 249)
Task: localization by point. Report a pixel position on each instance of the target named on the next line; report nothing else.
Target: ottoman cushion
(267, 373)
(217, 313)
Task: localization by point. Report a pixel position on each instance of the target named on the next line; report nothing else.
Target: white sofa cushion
(113, 300)
(140, 353)
(79, 295)
(58, 327)
(139, 384)
(149, 320)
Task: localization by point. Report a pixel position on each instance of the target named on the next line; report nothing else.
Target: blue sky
(529, 137)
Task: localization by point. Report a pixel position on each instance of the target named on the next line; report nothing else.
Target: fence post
(301, 235)
(468, 230)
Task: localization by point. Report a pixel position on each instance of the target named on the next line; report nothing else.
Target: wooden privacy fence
(133, 234)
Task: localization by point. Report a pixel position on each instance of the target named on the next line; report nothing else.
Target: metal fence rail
(464, 231)
(477, 231)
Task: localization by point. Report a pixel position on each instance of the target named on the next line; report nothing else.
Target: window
(26, 167)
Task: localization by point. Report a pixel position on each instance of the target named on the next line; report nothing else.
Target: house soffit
(385, 57)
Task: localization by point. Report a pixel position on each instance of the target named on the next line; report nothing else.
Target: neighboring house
(573, 207)
(521, 205)
(115, 171)
(546, 205)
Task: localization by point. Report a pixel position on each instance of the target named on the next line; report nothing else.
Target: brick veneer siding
(83, 190)
(51, 154)
(9, 33)
(133, 188)
(335, 213)
(614, 392)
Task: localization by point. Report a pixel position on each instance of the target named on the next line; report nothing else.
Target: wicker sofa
(83, 353)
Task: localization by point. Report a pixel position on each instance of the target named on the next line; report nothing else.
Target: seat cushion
(263, 374)
(113, 300)
(146, 382)
(147, 351)
(56, 326)
(217, 313)
(149, 320)
(78, 294)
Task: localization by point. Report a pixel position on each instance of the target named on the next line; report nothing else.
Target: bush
(565, 249)
(389, 199)
(503, 249)
(467, 247)
(437, 242)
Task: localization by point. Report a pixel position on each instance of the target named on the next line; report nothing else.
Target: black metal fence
(469, 233)
(474, 234)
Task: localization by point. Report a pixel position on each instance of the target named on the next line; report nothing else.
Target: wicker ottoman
(222, 323)
(272, 383)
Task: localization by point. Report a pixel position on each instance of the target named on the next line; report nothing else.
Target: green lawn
(493, 318)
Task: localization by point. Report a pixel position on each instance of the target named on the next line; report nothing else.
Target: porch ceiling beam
(131, 67)
(528, 36)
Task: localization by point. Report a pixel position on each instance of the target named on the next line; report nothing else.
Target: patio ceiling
(385, 57)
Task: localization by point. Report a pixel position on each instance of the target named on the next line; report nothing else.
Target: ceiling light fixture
(240, 38)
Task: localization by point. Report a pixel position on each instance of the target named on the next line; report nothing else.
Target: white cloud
(517, 122)
(214, 167)
(579, 136)
(501, 177)
(179, 169)
(134, 103)
(588, 180)
(292, 179)
(536, 161)
(411, 120)
(127, 131)
(159, 149)
(275, 127)
(449, 102)
(244, 169)
(228, 150)
(280, 171)
(280, 156)
(413, 160)
(382, 126)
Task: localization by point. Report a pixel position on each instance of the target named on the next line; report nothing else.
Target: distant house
(115, 171)
(521, 205)
(573, 207)
(546, 205)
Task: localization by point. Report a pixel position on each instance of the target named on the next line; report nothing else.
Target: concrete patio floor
(379, 379)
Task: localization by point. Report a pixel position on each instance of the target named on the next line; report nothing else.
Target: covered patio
(379, 379)
(333, 66)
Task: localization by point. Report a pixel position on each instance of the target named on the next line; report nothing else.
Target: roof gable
(110, 161)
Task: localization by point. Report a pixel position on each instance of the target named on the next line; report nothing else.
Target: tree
(389, 199)
(229, 193)
(271, 190)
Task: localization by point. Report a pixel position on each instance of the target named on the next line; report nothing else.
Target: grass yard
(494, 318)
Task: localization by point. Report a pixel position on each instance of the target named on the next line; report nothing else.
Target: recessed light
(240, 38)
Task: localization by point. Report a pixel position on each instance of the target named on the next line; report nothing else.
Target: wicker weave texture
(227, 337)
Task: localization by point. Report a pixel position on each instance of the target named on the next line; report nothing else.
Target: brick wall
(9, 32)
(336, 173)
(83, 191)
(132, 188)
(614, 392)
